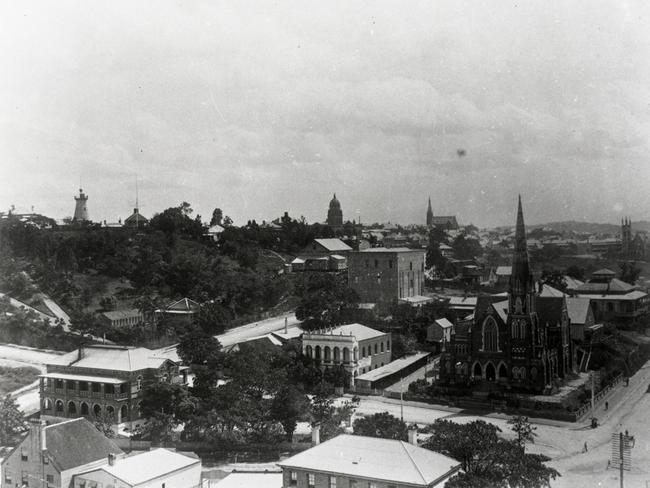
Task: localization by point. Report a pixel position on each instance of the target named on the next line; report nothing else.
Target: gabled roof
(549, 291)
(119, 358)
(333, 245)
(76, 442)
(613, 286)
(444, 323)
(501, 309)
(578, 309)
(373, 458)
(140, 468)
(604, 272)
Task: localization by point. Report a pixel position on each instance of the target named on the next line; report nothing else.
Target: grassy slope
(13, 378)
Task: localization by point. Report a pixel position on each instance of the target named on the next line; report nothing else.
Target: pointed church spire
(521, 279)
(429, 214)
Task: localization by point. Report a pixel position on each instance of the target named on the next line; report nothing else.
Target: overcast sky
(262, 107)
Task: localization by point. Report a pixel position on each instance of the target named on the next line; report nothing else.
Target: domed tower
(335, 214)
(81, 207)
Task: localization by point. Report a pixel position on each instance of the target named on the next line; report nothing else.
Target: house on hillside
(121, 318)
(183, 310)
(322, 255)
(51, 455)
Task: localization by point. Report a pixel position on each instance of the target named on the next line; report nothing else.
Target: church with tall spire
(445, 222)
(520, 342)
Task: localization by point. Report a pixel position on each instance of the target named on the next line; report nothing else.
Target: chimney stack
(37, 432)
(413, 434)
(111, 459)
(315, 434)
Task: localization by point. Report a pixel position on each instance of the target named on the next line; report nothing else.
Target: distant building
(156, 468)
(184, 310)
(214, 231)
(355, 347)
(322, 255)
(81, 207)
(101, 379)
(632, 248)
(612, 298)
(439, 333)
(385, 275)
(359, 461)
(121, 318)
(51, 455)
(335, 214)
(136, 220)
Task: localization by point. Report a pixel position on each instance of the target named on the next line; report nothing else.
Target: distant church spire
(429, 214)
(521, 279)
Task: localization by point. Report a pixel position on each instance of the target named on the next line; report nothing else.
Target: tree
(202, 352)
(11, 419)
(524, 429)
(629, 272)
(329, 416)
(486, 459)
(325, 300)
(554, 279)
(382, 425)
(288, 407)
(466, 247)
(576, 272)
(168, 399)
(104, 423)
(217, 216)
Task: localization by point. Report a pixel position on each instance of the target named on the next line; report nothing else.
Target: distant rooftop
(391, 249)
(392, 367)
(359, 331)
(118, 358)
(336, 245)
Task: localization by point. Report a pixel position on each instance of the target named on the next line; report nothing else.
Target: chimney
(285, 325)
(135, 211)
(315, 434)
(413, 434)
(111, 459)
(37, 432)
(80, 353)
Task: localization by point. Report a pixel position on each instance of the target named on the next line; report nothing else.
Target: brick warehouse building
(381, 275)
(102, 379)
(522, 342)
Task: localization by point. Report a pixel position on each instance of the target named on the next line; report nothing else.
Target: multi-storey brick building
(354, 346)
(100, 379)
(51, 455)
(351, 461)
(381, 275)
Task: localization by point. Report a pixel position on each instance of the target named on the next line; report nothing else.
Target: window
(82, 484)
(490, 335)
(46, 460)
(311, 480)
(375, 348)
(23, 455)
(58, 384)
(139, 383)
(382, 347)
(49, 478)
(376, 263)
(353, 484)
(97, 387)
(390, 263)
(8, 477)
(25, 478)
(294, 478)
(332, 481)
(363, 352)
(372, 484)
(388, 345)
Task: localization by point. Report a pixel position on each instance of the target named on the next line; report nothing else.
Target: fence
(598, 397)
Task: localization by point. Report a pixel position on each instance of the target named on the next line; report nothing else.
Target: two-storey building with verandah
(354, 346)
(103, 381)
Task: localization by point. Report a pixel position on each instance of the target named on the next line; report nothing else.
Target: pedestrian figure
(584, 449)
(606, 405)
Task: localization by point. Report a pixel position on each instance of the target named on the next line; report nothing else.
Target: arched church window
(490, 335)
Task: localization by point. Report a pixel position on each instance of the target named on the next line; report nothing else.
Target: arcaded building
(96, 380)
(521, 341)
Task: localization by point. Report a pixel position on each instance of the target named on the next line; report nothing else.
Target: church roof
(578, 309)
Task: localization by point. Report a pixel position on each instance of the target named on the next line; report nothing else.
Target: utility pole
(592, 395)
(621, 448)
(401, 398)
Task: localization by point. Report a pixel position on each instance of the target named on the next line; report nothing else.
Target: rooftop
(392, 367)
(377, 459)
(77, 442)
(119, 358)
(122, 314)
(391, 249)
(146, 466)
(333, 244)
(251, 480)
(360, 332)
(577, 309)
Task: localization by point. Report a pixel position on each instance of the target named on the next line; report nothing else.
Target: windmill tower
(81, 207)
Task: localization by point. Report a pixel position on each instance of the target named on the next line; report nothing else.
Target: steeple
(521, 286)
(429, 214)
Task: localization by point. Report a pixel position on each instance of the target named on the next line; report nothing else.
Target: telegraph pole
(401, 398)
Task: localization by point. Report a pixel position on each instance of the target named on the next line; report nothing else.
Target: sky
(270, 106)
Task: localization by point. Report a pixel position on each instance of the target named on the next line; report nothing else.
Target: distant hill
(591, 227)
